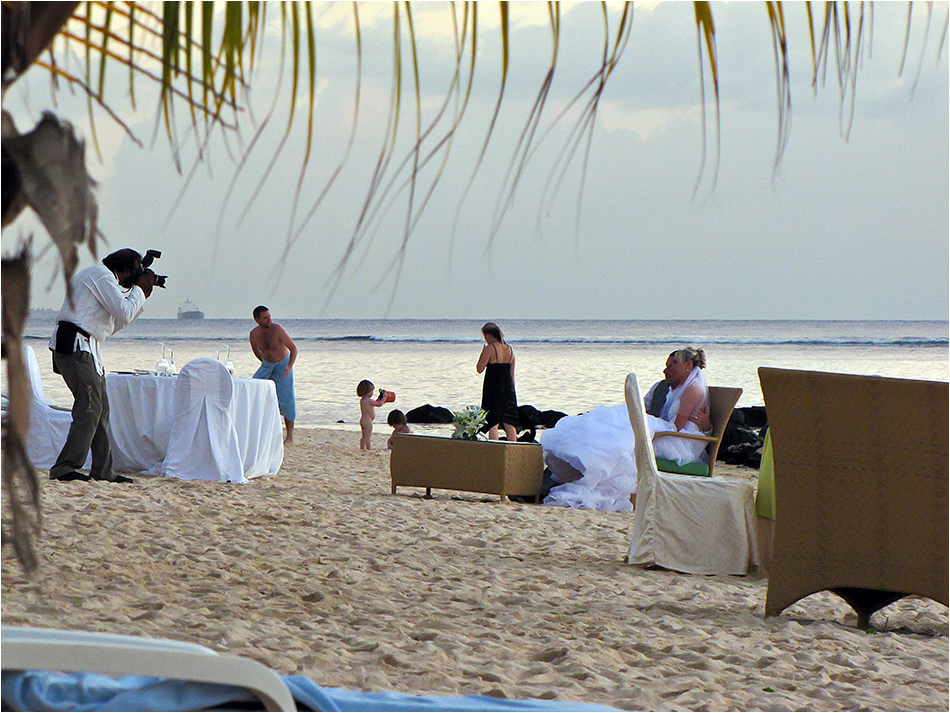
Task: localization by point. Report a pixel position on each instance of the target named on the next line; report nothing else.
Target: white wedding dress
(599, 446)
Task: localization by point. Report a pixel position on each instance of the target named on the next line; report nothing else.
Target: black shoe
(74, 475)
(116, 478)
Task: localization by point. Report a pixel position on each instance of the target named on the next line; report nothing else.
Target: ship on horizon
(189, 310)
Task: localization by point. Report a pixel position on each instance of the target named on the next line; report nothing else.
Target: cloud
(839, 219)
(646, 124)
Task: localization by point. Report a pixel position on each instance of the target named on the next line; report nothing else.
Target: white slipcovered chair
(687, 523)
(203, 444)
(49, 425)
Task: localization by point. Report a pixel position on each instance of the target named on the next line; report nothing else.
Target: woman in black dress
(497, 360)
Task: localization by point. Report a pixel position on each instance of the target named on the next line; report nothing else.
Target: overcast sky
(854, 229)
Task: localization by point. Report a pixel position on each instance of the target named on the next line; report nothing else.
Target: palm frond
(839, 31)
(583, 129)
(920, 60)
(525, 141)
(208, 54)
(55, 70)
(783, 85)
(505, 58)
(297, 232)
(706, 30)
(403, 179)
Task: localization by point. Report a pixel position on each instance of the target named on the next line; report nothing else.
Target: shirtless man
(277, 352)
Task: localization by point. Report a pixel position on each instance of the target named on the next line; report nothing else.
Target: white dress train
(599, 445)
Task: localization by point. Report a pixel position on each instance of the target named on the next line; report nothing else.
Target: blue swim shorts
(284, 384)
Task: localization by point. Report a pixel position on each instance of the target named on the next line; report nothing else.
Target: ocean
(569, 366)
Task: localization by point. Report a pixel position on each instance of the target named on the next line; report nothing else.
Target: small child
(367, 411)
(397, 419)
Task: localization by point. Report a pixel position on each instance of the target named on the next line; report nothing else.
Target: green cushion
(765, 493)
(671, 466)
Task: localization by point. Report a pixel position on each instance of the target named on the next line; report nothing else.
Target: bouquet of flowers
(468, 422)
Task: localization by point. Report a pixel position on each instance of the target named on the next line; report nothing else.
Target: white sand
(320, 571)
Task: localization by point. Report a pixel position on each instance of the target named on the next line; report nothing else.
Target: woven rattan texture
(861, 475)
(473, 466)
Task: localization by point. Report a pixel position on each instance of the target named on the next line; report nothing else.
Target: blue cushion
(52, 691)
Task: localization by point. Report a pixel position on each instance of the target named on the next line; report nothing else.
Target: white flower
(468, 422)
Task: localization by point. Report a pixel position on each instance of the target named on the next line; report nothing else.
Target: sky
(853, 224)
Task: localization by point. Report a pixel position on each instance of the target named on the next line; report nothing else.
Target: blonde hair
(696, 356)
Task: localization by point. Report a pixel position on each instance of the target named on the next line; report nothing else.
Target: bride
(591, 455)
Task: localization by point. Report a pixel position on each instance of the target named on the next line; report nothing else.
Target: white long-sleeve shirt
(100, 306)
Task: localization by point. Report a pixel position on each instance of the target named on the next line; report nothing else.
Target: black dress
(498, 394)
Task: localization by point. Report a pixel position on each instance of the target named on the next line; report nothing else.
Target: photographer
(105, 298)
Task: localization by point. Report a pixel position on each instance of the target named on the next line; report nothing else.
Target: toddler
(367, 411)
(397, 419)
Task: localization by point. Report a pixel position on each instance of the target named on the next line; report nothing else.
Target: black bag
(66, 337)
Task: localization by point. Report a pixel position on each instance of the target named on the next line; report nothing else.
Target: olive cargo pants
(90, 426)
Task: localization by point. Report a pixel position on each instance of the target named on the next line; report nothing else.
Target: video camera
(150, 256)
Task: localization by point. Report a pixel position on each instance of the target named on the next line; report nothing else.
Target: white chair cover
(687, 523)
(203, 444)
(48, 426)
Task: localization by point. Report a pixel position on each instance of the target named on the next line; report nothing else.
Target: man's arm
(123, 306)
(289, 343)
(255, 344)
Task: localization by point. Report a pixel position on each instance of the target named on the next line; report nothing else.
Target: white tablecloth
(143, 408)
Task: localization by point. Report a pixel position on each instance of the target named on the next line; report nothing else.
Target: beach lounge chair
(722, 401)
(860, 468)
(188, 668)
(49, 425)
(699, 525)
(48, 669)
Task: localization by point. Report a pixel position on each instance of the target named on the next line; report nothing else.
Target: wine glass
(161, 368)
(228, 365)
(172, 370)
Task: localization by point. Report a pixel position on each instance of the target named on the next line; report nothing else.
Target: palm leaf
(583, 128)
(706, 30)
(523, 147)
(782, 81)
(399, 182)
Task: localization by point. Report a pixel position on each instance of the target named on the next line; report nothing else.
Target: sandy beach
(320, 571)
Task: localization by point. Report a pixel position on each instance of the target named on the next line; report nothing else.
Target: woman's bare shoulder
(695, 391)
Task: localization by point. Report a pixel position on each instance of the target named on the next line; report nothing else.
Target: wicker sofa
(496, 467)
